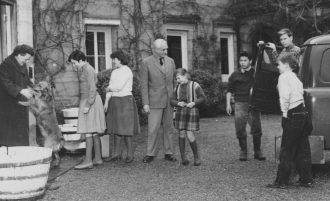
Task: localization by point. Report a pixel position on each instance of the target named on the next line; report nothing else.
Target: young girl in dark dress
(186, 97)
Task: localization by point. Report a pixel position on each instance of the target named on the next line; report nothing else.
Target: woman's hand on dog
(86, 110)
(28, 93)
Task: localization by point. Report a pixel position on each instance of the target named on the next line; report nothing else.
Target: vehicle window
(325, 66)
(300, 60)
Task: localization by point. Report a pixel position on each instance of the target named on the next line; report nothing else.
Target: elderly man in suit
(157, 84)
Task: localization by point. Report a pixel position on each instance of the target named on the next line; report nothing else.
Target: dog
(43, 108)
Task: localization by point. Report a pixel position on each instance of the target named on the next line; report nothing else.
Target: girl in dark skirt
(122, 116)
(186, 97)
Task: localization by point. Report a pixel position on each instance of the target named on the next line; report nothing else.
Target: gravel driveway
(220, 177)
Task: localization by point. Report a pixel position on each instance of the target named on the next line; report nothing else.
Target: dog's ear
(43, 84)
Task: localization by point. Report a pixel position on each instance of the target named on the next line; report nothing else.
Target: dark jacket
(14, 119)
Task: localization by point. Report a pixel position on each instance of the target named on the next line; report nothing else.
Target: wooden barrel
(23, 171)
(73, 142)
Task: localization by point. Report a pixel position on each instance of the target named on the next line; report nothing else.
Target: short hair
(23, 50)
(291, 59)
(121, 56)
(284, 31)
(182, 72)
(245, 54)
(158, 43)
(77, 55)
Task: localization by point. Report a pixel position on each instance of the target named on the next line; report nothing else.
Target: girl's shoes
(197, 162)
(100, 162)
(84, 166)
(112, 159)
(129, 159)
(185, 162)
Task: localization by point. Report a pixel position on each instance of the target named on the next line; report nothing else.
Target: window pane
(224, 55)
(91, 60)
(89, 43)
(101, 60)
(325, 68)
(100, 43)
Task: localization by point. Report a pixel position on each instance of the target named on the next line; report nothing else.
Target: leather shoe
(148, 159)
(129, 159)
(170, 157)
(185, 162)
(306, 185)
(277, 185)
(100, 162)
(112, 159)
(84, 166)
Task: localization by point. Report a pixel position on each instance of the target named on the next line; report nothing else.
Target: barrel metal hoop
(24, 177)
(9, 165)
(25, 192)
(70, 117)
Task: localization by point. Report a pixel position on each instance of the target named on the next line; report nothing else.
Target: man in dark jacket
(14, 82)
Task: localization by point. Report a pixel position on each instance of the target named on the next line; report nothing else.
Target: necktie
(161, 61)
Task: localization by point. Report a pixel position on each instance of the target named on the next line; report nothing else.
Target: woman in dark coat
(14, 80)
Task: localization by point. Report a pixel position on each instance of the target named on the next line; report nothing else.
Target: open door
(265, 95)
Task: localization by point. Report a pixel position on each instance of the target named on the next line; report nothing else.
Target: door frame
(231, 58)
(184, 44)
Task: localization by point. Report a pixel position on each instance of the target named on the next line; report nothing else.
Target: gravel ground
(220, 177)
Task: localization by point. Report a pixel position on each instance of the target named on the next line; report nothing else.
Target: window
(325, 66)
(98, 47)
(226, 55)
(7, 28)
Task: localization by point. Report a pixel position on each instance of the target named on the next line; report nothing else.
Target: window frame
(107, 42)
(231, 53)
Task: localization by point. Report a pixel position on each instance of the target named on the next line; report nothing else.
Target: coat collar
(11, 60)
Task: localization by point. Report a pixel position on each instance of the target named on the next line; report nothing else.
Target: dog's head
(42, 91)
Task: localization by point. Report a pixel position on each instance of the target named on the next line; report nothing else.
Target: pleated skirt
(187, 119)
(122, 116)
(94, 120)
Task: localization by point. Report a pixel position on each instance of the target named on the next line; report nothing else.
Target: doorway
(174, 50)
(177, 47)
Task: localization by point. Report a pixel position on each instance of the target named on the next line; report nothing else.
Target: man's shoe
(277, 185)
(306, 185)
(243, 156)
(148, 159)
(259, 156)
(170, 157)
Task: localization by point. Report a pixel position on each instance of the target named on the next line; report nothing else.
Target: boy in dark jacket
(240, 85)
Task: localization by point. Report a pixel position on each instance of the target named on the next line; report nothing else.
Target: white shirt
(290, 90)
(121, 82)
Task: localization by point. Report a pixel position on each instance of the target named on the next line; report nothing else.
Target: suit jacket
(157, 82)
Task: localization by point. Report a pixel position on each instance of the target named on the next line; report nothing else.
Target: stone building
(261, 19)
(200, 34)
